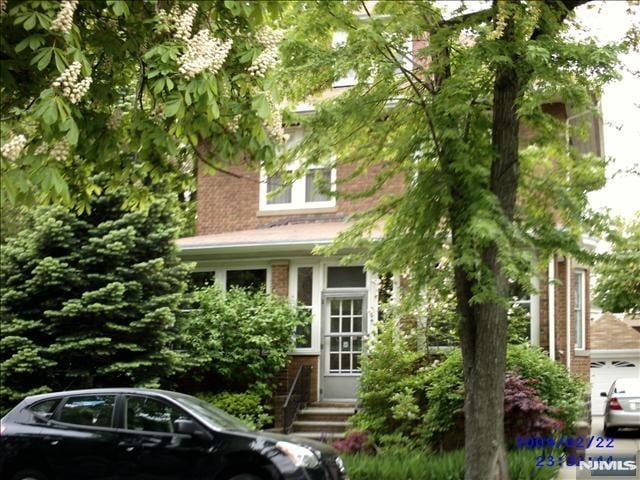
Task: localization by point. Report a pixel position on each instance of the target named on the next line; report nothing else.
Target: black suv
(142, 434)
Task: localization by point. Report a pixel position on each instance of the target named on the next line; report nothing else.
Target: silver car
(623, 405)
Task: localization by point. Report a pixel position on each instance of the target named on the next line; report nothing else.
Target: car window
(151, 415)
(90, 410)
(46, 407)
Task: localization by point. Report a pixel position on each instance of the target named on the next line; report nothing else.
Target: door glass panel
(90, 410)
(346, 324)
(357, 307)
(335, 324)
(346, 362)
(305, 285)
(346, 307)
(150, 415)
(357, 344)
(345, 343)
(357, 324)
(356, 361)
(335, 344)
(335, 362)
(335, 307)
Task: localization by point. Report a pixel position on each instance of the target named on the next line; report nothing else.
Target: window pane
(303, 333)
(305, 285)
(333, 361)
(200, 279)
(335, 344)
(335, 324)
(93, 411)
(273, 184)
(317, 181)
(346, 362)
(147, 414)
(357, 324)
(251, 279)
(578, 308)
(344, 277)
(346, 324)
(47, 407)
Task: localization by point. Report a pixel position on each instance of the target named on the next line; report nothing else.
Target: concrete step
(321, 436)
(335, 414)
(319, 426)
(333, 405)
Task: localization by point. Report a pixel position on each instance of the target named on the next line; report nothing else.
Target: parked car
(623, 405)
(144, 434)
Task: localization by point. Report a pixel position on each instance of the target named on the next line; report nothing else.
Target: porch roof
(298, 238)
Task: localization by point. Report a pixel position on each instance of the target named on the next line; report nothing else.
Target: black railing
(298, 396)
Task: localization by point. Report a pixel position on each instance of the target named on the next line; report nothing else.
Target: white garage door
(604, 372)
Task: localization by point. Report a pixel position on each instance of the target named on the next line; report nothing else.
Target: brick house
(245, 237)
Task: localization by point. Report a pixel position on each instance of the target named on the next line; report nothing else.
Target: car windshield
(628, 387)
(213, 414)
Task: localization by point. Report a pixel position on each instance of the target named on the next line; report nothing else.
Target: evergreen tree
(90, 299)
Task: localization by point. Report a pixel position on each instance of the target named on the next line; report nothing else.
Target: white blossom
(268, 58)
(203, 52)
(234, 124)
(13, 148)
(60, 151)
(184, 22)
(114, 120)
(42, 149)
(68, 83)
(64, 18)
(274, 126)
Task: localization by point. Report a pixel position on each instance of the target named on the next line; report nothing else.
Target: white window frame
(580, 276)
(221, 274)
(298, 194)
(316, 303)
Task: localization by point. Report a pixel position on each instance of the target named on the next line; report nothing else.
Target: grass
(411, 465)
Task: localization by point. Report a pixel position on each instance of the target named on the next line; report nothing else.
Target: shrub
(418, 465)
(247, 407)
(524, 413)
(240, 339)
(560, 393)
(388, 386)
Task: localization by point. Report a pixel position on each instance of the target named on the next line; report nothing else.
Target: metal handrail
(298, 396)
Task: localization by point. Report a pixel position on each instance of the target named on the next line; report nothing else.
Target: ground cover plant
(425, 465)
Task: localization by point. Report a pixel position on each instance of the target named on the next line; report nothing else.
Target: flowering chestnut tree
(140, 89)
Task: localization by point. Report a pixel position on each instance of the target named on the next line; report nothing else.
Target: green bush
(418, 465)
(391, 375)
(560, 391)
(239, 339)
(247, 407)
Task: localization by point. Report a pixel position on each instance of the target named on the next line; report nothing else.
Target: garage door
(604, 372)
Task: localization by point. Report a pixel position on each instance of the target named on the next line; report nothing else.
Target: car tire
(29, 475)
(245, 476)
(610, 431)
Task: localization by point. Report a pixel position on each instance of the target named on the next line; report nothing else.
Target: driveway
(627, 441)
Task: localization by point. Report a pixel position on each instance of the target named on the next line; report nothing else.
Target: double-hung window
(579, 313)
(310, 191)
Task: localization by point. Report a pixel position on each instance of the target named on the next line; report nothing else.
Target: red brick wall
(226, 203)
(580, 362)
(280, 278)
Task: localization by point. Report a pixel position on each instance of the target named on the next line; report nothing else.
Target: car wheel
(29, 475)
(245, 476)
(610, 431)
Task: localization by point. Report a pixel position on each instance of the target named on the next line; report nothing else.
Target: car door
(79, 442)
(148, 447)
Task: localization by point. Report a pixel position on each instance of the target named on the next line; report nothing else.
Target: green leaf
(30, 22)
(23, 44)
(45, 59)
(72, 131)
(171, 107)
(50, 114)
(261, 105)
(215, 110)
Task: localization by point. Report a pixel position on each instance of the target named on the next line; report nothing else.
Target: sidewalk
(621, 444)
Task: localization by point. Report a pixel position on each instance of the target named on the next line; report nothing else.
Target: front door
(344, 327)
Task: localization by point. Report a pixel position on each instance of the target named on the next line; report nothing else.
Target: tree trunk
(484, 325)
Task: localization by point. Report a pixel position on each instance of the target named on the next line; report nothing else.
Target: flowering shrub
(354, 442)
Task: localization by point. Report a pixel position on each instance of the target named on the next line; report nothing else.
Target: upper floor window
(309, 191)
